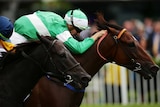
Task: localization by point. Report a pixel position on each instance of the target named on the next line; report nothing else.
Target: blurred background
(118, 10)
(113, 84)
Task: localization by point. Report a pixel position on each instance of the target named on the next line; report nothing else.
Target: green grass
(118, 105)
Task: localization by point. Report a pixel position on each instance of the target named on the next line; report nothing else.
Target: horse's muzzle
(152, 72)
(85, 80)
(154, 69)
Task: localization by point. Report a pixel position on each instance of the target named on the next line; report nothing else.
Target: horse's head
(121, 47)
(66, 67)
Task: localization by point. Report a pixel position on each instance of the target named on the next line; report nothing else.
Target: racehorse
(118, 46)
(21, 70)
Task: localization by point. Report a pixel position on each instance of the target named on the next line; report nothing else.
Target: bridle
(101, 39)
(65, 78)
(137, 65)
(61, 75)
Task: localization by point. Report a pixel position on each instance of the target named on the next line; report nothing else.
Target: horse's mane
(27, 46)
(102, 24)
(16, 52)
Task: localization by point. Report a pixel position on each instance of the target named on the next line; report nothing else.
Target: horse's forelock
(99, 21)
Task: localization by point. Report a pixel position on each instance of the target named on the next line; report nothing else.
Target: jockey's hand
(99, 34)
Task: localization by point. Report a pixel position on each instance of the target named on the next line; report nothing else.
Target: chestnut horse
(20, 71)
(119, 46)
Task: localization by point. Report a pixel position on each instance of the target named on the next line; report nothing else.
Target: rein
(30, 58)
(101, 39)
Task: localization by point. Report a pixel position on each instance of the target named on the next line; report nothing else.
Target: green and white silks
(50, 24)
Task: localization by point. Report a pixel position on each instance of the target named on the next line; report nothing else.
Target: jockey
(52, 24)
(6, 29)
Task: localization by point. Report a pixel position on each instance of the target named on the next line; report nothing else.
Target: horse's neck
(27, 73)
(90, 61)
(93, 66)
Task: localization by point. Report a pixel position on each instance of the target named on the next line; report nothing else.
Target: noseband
(137, 65)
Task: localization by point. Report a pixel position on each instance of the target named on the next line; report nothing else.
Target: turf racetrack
(119, 105)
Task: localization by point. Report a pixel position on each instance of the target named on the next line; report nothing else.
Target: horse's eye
(131, 44)
(62, 55)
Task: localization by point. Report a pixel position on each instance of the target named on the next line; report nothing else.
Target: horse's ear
(39, 37)
(43, 39)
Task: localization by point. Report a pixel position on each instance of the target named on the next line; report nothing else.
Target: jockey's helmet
(77, 18)
(6, 28)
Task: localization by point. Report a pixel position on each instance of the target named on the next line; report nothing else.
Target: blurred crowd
(147, 32)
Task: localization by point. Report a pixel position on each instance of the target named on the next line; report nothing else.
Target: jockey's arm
(79, 47)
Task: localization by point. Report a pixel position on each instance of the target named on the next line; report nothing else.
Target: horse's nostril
(155, 68)
(85, 80)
